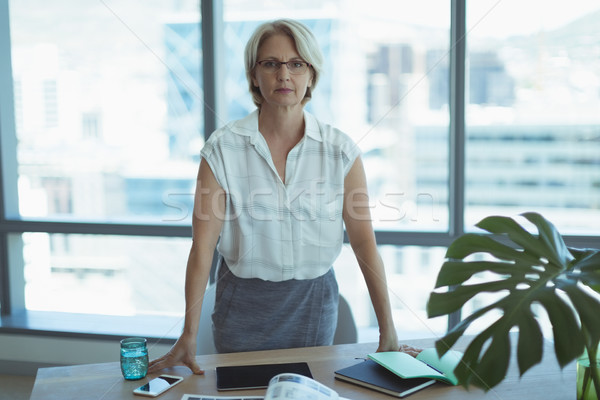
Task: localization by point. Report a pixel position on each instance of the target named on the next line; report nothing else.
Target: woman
(276, 187)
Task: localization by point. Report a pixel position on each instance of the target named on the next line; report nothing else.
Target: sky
(501, 18)
(494, 18)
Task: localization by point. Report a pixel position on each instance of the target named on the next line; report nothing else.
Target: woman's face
(280, 88)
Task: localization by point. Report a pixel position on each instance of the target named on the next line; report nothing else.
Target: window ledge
(165, 329)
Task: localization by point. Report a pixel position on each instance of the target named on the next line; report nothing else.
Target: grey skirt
(253, 314)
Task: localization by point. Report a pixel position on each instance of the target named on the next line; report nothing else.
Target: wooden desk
(104, 381)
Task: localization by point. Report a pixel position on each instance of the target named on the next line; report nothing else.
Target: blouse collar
(248, 126)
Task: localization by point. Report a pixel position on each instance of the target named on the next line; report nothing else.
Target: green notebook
(426, 365)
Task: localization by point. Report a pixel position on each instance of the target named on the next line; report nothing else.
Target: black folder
(373, 376)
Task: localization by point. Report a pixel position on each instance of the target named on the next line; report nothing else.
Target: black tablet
(256, 376)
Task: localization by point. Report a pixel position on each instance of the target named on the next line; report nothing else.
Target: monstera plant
(524, 269)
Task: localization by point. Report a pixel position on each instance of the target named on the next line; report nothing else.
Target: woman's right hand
(183, 352)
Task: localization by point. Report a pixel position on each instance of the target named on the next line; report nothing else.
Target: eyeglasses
(295, 67)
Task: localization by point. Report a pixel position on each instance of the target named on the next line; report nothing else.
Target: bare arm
(357, 218)
(209, 208)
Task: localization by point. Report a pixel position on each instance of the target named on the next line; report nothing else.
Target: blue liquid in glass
(134, 358)
(134, 366)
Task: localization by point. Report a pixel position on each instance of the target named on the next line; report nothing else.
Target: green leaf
(494, 362)
(448, 302)
(444, 344)
(586, 258)
(568, 339)
(587, 307)
(457, 272)
(557, 251)
(530, 345)
(472, 243)
(519, 235)
(465, 370)
(529, 270)
(488, 370)
(587, 261)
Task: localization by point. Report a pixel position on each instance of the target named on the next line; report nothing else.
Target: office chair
(345, 331)
(205, 343)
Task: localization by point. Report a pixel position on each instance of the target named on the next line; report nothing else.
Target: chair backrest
(205, 343)
(345, 332)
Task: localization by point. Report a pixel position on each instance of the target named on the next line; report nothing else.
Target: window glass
(108, 109)
(533, 126)
(385, 83)
(411, 272)
(128, 275)
(104, 274)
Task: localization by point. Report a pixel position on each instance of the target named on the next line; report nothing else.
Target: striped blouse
(273, 230)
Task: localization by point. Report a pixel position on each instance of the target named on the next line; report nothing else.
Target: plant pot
(585, 383)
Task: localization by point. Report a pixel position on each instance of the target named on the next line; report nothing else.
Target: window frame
(12, 312)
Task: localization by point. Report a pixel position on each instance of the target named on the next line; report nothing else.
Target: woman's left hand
(389, 341)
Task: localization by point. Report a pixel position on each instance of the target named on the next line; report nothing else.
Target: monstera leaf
(533, 269)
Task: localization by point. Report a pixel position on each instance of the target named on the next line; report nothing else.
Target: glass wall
(411, 273)
(108, 111)
(385, 83)
(104, 274)
(108, 108)
(533, 120)
(108, 114)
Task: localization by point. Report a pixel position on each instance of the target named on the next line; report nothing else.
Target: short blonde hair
(306, 45)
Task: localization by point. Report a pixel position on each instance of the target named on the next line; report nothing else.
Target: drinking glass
(134, 358)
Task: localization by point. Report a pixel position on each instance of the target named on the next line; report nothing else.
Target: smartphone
(158, 385)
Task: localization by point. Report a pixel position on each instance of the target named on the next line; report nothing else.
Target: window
(109, 126)
(101, 135)
(533, 127)
(385, 83)
(385, 80)
(410, 272)
(104, 274)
